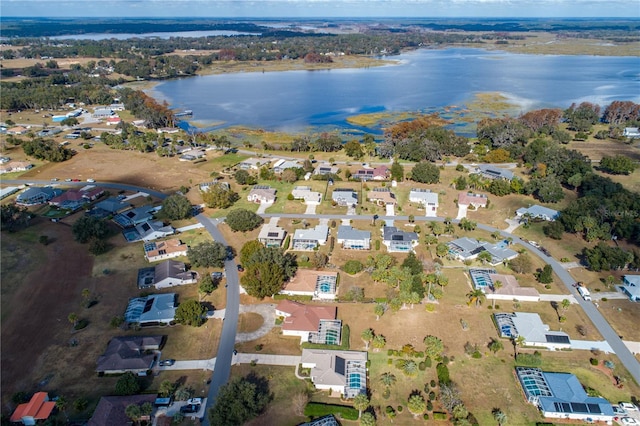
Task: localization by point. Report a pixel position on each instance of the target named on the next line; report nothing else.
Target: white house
(271, 235)
(428, 199)
(305, 193)
(342, 372)
(262, 194)
(309, 239)
(151, 309)
(398, 241)
(253, 163)
(353, 239)
(532, 329)
(344, 197)
(631, 286)
(466, 248)
(471, 199)
(631, 132)
(538, 212)
(492, 172)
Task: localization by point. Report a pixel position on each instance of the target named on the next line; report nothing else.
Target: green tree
(361, 403)
(206, 286)
(133, 412)
(367, 337)
(353, 149)
(495, 345)
(73, 319)
(485, 257)
(476, 297)
(434, 347)
(442, 250)
(379, 310)
(176, 207)
(127, 384)
(190, 312)
(499, 416)
(397, 172)
(416, 405)
(467, 225)
(379, 342)
(367, 419)
(425, 172)
(88, 227)
(617, 165)
(263, 279)
(243, 177)
(248, 250)
(500, 187)
(545, 276)
(388, 379)
(167, 388)
(243, 220)
(219, 197)
(208, 254)
(521, 264)
(240, 400)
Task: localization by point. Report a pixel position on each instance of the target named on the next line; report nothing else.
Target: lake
(424, 80)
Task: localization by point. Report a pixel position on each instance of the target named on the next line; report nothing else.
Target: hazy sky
(320, 8)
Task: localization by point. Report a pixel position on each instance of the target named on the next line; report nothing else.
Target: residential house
(309, 239)
(631, 287)
(162, 250)
(315, 324)
(471, 199)
(343, 372)
(108, 207)
(204, 187)
(153, 309)
(532, 329)
(262, 194)
(305, 193)
(9, 190)
(166, 130)
(102, 112)
(17, 130)
(538, 212)
(148, 231)
(328, 420)
(271, 235)
(378, 173)
(468, 249)
(167, 274)
(253, 163)
(631, 132)
(135, 216)
(38, 408)
(15, 166)
(398, 241)
(382, 196)
(321, 285)
(282, 165)
(428, 199)
(114, 120)
(75, 198)
(493, 172)
(326, 169)
(353, 239)
(129, 353)
(509, 289)
(111, 410)
(345, 197)
(37, 195)
(562, 396)
(192, 154)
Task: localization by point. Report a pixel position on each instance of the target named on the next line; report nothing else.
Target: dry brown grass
(273, 343)
(249, 322)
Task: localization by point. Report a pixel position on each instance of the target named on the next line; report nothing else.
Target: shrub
(594, 361)
(433, 382)
(427, 362)
(459, 168)
(387, 393)
(400, 408)
(352, 267)
(377, 244)
(432, 396)
(443, 374)
(476, 354)
(422, 366)
(429, 406)
(439, 415)
(425, 416)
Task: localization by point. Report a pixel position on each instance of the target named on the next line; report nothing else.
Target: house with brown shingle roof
(162, 250)
(129, 353)
(382, 196)
(111, 409)
(38, 408)
(308, 322)
(318, 284)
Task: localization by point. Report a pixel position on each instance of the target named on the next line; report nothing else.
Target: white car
(618, 411)
(628, 406)
(194, 401)
(91, 180)
(628, 421)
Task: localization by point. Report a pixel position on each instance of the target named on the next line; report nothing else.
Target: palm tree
(518, 341)
(367, 337)
(61, 405)
(449, 228)
(410, 368)
(73, 319)
(497, 285)
(475, 181)
(388, 379)
(499, 416)
(367, 419)
(484, 257)
(378, 310)
(495, 346)
(565, 305)
(379, 341)
(416, 405)
(360, 403)
(133, 412)
(476, 296)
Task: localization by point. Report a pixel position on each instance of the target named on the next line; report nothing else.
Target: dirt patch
(249, 322)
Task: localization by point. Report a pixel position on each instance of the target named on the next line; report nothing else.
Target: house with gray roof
(309, 239)
(466, 248)
(148, 231)
(345, 196)
(343, 372)
(282, 165)
(111, 410)
(631, 287)
(493, 172)
(129, 353)
(326, 169)
(111, 205)
(428, 199)
(562, 396)
(37, 195)
(532, 329)
(397, 240)
(166, 274)
(538, 212)
(631, 132)
(272, 235)
(253, 163)
(154, 309)
(307, 194)
(135, 216)
(353, 239)
(263, 194)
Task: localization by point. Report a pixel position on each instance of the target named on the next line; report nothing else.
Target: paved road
(225, 350)
(230, 322)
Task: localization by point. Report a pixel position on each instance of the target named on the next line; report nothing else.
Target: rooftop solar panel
(340, 365)
(554, 338)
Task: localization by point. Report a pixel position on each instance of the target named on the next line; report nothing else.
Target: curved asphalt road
(227, 339)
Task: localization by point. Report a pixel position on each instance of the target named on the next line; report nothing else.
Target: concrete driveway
(268, 313)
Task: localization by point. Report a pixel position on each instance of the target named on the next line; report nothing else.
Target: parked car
(216, 276)
(187, 409)
(167, 362)
(54, 179)
(629, 421)
(240, 268)
(67, 180)
(628, 406)
(194, 401)
(618, 411)
(91, 180)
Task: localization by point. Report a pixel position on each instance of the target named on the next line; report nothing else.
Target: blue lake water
(424, 80)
